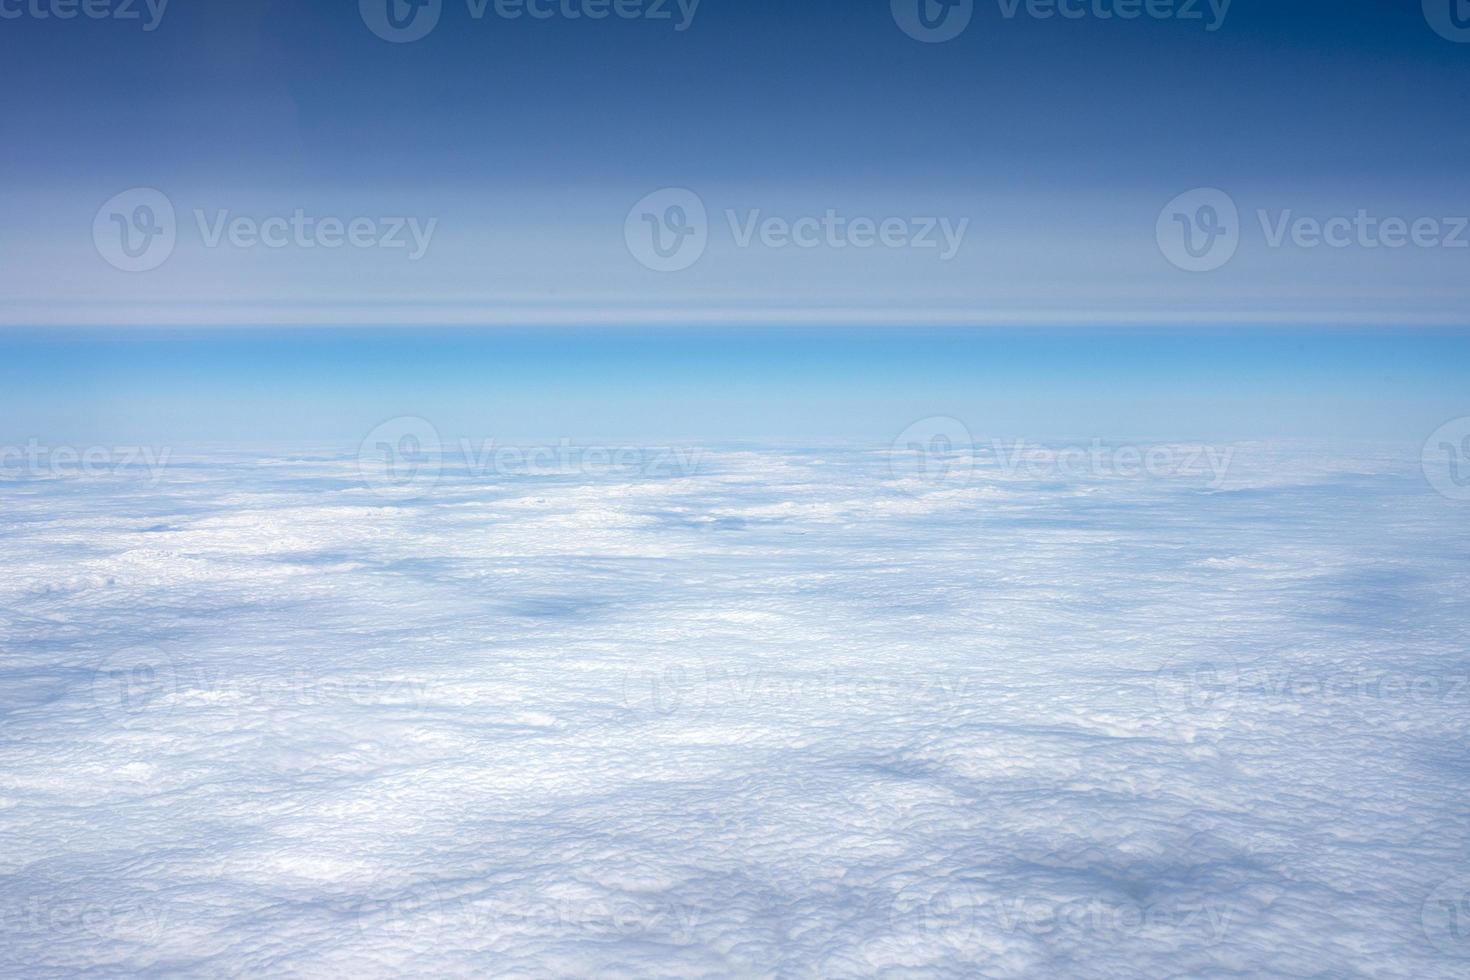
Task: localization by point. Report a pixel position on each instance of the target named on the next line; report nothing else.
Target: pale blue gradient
(760, 384)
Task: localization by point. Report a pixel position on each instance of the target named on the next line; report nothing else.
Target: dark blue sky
(816, 90)
(528, 141)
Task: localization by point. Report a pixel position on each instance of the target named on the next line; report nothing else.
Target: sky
(1054, 143)
(782, 385)
(739, 221)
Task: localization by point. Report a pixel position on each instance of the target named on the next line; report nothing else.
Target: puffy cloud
(780, 713)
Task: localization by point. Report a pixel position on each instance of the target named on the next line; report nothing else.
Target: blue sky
(527, 141)
(786, 385)
(824, 91)
(1054, 149)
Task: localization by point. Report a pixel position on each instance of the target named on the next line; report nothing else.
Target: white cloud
(783, 716)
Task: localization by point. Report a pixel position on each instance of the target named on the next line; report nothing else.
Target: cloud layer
(767, 712)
